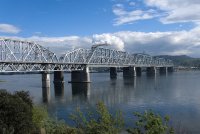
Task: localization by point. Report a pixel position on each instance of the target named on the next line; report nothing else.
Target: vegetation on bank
(18, 115)
(183, 60)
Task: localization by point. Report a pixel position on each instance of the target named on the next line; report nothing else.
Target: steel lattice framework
(16, 56)
(101, 57)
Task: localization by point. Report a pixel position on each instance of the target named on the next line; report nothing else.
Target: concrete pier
(129, 72)
(58, 77)
(113, 72)
(170, 69)
(138, 71)
(45, 79)
(80, 76)
(151, 71)
(163, 70)
(46, 94)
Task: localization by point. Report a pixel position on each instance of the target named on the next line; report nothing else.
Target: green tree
(15, 113)
(53, 126)
(100, 122)
(39, 116)
(151, 123)
(43, 122)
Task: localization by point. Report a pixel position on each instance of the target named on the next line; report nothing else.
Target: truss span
(23, 51)
(106, 57)
(16, 56)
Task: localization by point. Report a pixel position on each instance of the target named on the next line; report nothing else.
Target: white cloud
(177, 10)
(166, 11)
(126, 17)
(154, 43)
(7, 28)
(61, 45)
(111, 39)
(132, 3)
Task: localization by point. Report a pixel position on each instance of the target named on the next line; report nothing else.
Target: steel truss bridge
(25, 56)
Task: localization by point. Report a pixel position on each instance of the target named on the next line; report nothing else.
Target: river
(176, 95)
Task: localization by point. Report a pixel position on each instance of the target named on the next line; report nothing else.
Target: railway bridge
(26, 56)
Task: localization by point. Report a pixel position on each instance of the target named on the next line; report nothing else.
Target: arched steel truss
(16, 56)
(107, 57)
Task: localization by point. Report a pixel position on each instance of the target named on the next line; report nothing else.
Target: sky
(156, 27)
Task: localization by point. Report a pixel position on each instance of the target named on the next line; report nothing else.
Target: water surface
(177, 95)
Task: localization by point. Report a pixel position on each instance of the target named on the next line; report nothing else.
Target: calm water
(177, 95)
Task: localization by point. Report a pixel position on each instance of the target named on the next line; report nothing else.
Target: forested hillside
(183, 60)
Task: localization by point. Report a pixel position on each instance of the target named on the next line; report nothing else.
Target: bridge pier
(151, 71)
(58, 77)
(46, 86)
(113, 72)
(138, 71)
(80, 76)
(129, 72)
(45, 79)
(163, 70)
(170, 69)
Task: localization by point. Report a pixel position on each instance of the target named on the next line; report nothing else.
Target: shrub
(15, 112)
(40, 114)
(151, 123)
(53, 126)
(101, 122)
(43, 122)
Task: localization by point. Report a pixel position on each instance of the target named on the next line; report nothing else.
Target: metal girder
(16, 56)
(34, 67)
(102, 57)
(22, 51)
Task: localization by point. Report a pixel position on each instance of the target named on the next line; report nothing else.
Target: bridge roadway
(25, 56)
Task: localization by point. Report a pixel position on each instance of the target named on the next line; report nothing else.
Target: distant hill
(183, 60)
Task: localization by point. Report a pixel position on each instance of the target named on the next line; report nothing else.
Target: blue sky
(135, 25)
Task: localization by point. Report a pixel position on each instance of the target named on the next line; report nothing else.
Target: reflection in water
(80, 91)
(151, 74)
(46, 94)
(152, 81)
(59, 89)
(130, 82)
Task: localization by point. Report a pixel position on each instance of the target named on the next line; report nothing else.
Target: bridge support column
(113, 72)
(82, 76)
(58, 77)
(163, 70)
(170, 69)
(138, 71)
(46, 86)
(129, 72)
(45, 79)
(151, 71)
